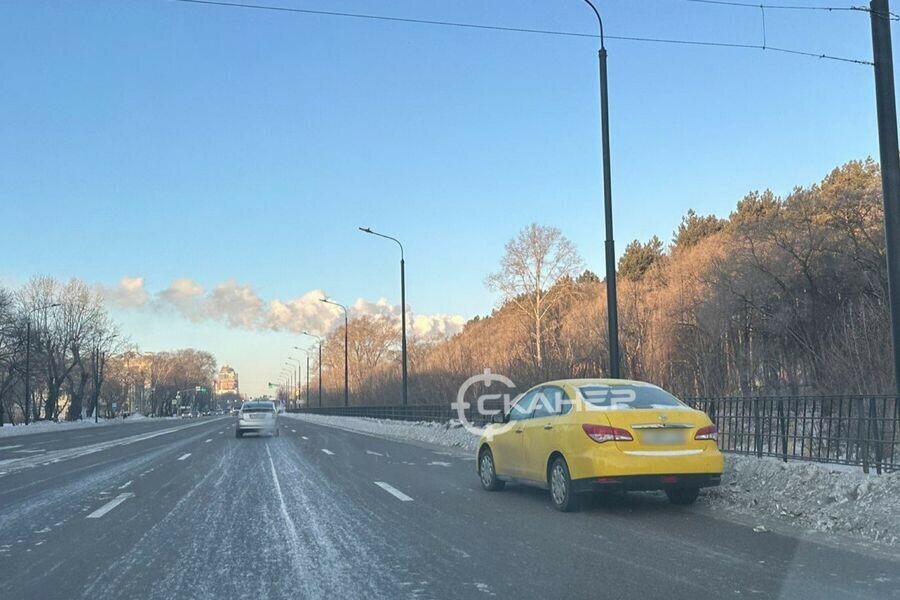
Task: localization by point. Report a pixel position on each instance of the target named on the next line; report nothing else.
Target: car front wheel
(561, 494)
(683, 496)
(488, 473)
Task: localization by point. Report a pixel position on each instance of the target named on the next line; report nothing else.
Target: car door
(541, 436)
(506, 444)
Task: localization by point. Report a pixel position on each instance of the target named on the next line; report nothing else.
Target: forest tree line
(63, 357)
(787, 295)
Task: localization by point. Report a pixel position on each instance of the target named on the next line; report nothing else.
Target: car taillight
(710, 432)
(605, 433)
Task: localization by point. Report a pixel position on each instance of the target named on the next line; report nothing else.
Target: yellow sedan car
(582, 435)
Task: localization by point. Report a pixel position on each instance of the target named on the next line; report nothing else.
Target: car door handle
(548, 426)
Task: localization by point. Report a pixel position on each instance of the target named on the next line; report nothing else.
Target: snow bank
(818, 497)
(451, 434)
(47, 426)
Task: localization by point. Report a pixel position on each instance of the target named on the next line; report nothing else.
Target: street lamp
(28, 352)
(346, 350)
(299, 378)
(402, 309)
(320, 340)
(611, 302)
(306, 352)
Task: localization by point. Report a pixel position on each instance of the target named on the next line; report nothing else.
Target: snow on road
(812, 496)
(52, 426)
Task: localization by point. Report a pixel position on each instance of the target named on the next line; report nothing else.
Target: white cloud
(238, 306)
(128, 293)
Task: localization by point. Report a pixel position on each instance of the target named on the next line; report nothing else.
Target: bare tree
(535, 275)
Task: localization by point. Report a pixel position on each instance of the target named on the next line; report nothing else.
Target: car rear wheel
(561, 494)
(683, 496)
(277, 432)
(488, 473)
(238, 433)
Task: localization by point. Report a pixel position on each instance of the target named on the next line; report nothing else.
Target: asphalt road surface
(182, 509)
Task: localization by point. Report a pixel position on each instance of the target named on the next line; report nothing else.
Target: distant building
(227, 381)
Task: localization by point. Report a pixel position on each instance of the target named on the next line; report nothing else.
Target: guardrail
(862, 431)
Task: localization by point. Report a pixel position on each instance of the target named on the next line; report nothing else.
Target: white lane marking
(125, 485)
(295, 431)
(327, 451)
(393, 492)
(110, 505)
(56, 456)
(10, 447)
(207, 441)
(439, 463)
(184, 456)
(221, 432)
(36, 451)
(374, 453)
(304, 437)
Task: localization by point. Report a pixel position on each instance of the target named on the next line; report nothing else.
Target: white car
(257, 417)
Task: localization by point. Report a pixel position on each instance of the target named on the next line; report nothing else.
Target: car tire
(238, 433)
(277, 432)
(683, 496)
(487, 472)
(562, 495)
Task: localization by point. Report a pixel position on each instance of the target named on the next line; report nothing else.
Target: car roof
(595, 381)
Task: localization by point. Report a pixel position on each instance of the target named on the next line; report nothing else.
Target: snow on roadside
(812, 496)
(450, 434)
(47, 426)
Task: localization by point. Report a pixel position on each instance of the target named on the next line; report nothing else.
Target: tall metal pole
(320, 373)
(346, 359)
(346, 349)
(403, 358)
(307, 380)
(879, 14)
(611, 300)
(27, 366)
(403, 327)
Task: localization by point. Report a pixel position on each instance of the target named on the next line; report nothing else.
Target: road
(183, 509)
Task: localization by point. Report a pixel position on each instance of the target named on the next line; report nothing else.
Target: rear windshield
(258, 407)
(615, 397)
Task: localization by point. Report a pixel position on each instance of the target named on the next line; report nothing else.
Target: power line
(457, 24)
(773, 6)
(891, 16)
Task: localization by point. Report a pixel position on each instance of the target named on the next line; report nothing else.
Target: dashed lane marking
(110, 505)
(125, 485)
(10, 447)
(374, 453)
(393, 491)
(184, 456)
(207, 441)
(327, 451)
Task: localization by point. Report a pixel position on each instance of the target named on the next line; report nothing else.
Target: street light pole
(320, 340)
(882, 54)
(611, 300)
(346, 350)
(402, 310)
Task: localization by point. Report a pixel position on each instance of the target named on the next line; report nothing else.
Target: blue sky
(160, 140)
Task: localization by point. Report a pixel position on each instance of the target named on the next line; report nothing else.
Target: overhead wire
(552, 32)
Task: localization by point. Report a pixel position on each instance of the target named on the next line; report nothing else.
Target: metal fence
(849, 430)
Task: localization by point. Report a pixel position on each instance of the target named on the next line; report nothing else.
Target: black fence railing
(852, 430)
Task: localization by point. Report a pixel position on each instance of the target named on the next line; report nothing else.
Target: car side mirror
(498, 418)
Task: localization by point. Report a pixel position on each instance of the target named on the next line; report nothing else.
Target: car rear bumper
(257, 425)
(646, 482)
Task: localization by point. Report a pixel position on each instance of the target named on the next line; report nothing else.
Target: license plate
(663, 438)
